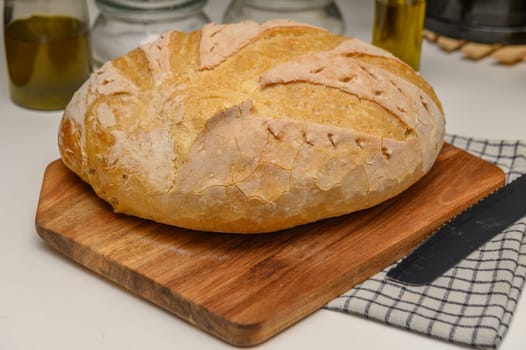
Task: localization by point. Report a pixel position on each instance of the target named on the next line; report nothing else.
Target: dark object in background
(482, 21)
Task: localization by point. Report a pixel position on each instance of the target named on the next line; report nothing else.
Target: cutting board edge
(232, 332)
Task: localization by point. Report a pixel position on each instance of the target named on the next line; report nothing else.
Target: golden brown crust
(251, 128)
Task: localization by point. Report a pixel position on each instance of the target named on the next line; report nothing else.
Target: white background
(48, 302)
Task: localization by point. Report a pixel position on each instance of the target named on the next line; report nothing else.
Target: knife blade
(463, 234)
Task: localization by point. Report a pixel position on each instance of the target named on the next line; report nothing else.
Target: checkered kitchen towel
(473, 303)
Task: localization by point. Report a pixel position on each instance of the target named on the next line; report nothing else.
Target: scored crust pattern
(251, 128)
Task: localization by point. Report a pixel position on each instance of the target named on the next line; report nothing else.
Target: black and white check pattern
(473, 303)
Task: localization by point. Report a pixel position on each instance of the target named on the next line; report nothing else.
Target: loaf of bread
(251, 128)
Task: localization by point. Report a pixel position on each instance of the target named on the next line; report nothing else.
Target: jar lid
(288, 5)
(148, 4)
(140, 10)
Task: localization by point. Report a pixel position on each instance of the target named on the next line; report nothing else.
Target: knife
(463, 234)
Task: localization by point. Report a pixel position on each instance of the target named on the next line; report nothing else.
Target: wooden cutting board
(242, 288)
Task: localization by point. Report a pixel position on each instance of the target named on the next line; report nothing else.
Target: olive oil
(398, 26)
(48, 58)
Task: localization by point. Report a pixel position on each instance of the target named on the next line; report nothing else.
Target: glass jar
(122, 25)
(47, 49)
(321, 13)
(398, 26)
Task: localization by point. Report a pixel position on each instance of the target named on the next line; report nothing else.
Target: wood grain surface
(246, 288)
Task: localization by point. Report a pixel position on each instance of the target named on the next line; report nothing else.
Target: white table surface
(49, 302)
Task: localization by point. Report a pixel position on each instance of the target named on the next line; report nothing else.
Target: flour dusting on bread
(221, 41)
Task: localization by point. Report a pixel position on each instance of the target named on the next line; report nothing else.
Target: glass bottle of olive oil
(398, 26)
(48, 57)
